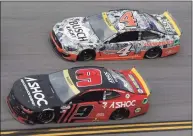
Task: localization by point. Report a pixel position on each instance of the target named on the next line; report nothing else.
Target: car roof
(105, 81)
(115, 15)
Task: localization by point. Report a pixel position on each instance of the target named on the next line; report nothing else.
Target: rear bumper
(61, 52)
(22, 117)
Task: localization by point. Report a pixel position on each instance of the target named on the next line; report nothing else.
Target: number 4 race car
(117, 35)
(79, 94)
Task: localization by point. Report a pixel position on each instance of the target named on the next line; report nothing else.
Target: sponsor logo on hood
(76, 30)
(35, 91)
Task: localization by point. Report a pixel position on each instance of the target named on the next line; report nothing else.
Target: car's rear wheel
(45, 117)
(119, 114)
(86, 55)
(153, 53)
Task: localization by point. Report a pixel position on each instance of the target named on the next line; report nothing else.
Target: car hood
(35, 92)
(74, 31)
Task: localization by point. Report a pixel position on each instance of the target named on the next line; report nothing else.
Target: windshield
(60, 86)
(120, 79)
(154, 23)
(99, 27)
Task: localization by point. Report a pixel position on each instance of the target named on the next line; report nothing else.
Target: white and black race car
(117, 35)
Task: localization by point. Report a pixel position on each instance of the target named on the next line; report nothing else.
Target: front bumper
(58, 48)
(17, 112)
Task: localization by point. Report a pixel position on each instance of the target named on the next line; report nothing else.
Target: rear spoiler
(144, 84)
(172, 22)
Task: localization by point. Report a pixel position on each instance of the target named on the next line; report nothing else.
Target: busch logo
(38, 95)
(76, 29)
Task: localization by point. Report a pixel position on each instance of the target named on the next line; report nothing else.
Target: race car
(116, 35)
(79, 94)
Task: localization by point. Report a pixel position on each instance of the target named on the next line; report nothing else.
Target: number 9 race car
(79, 94)
(116, 35)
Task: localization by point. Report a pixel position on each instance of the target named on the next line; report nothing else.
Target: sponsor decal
(158, 43)
(66, 107)
(109, 77)
(36, 91)
(145, 100)
(137, 110)
(140, 90)
(176, 42)
(108, 23)
(170, 51)
(166, 25)
(125, 104)
(127, 96)
(95, 120)
(136, 84)
(28, 92)
(76, 30)
(100, 114)
(104, 105)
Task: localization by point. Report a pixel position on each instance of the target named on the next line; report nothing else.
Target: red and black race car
(79, 94)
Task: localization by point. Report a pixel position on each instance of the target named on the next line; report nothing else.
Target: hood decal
(76, 30)
(36, 91)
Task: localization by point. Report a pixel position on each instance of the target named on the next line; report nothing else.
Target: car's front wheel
(119, 114)
(153, 53)
(86, 55)
(45, 117)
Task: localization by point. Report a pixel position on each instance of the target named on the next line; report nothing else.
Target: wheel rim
(118, 115)
(45, 117)
(86, 55)
(153, 53)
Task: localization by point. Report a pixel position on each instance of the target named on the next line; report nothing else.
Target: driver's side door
(123, 45)
(89, 107)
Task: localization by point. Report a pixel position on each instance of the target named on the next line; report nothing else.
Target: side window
(111, 94)
(125, 37)
(92, 96)
(146, 35)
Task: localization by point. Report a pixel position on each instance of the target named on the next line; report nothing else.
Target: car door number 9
(83, 111)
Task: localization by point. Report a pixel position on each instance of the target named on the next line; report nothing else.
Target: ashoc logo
(38, 95)
(123, 104)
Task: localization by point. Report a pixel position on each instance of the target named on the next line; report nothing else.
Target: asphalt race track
(26, 50)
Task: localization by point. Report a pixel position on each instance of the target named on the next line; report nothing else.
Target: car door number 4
(125, 51)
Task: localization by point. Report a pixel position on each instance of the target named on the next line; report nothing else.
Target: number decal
(129, 19)
(125, 51)
(88, 77)
(83, 111)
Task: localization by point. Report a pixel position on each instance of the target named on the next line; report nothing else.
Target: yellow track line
(125, 125)
(8, 132)
(114, 131)
(104, 127)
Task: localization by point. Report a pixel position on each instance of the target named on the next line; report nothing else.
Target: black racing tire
(119, 114)
(153, 53)
(45, 117)
(86, 55)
